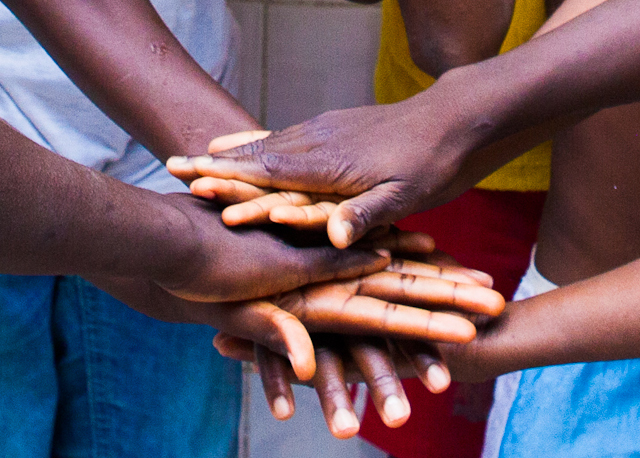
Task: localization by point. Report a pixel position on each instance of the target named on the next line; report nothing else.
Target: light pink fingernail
(344, 420)
(394, 408)
(437, 378)
(178, 159)
(281, 408)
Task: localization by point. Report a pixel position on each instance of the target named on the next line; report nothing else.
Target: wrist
(480, 105)
(180, 245)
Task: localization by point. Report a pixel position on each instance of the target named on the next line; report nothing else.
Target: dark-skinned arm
(123, 57)
(60, 218)
(571, 324)
(394, 160)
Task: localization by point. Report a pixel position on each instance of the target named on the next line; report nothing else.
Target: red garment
(492, 231)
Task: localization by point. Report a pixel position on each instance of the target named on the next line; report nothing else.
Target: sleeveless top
(398, 78)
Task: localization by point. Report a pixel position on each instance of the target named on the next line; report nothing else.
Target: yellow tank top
(398, 78)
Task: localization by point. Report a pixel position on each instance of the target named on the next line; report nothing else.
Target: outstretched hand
(249, 204)
(230, 264)
(345, 359)
(379, 361)
(370, 305)
(383, 160)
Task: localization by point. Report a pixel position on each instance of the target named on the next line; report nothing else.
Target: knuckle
(331, 258)
(385, 381)
(271, 163)
(278, 321)
(333, 387)
(386, 320)
(407, 281)
(251, 149)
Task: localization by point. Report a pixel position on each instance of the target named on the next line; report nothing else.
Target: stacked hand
(404, 306)
(386, 161)
(379, 362)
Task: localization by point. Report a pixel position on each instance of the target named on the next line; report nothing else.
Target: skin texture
(338, 357)
(170, 256)
(77, 221)
(588, 237)
(445, 34)
(465, 126)
(121, 54)
(370, 305)
(93, 238)
(341, 359)
(161, 244)
(587, 245)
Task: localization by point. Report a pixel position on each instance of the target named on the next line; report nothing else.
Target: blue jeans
(83, 375)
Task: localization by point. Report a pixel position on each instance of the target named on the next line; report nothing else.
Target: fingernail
(394, 408)
(482, 277)
(344, 420)
(384, 253)
(178, 159)
(437, 378)
(348, 231)
(281, 408)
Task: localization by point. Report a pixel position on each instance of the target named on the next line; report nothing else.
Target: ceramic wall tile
(250, 17)
(305, 435)
(318, 58)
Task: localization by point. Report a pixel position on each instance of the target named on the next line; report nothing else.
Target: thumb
(353, 218)
(291, 334)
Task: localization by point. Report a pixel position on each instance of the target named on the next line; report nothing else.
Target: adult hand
(249, 204)
(389, 161)
(342, 359)
(244, 263)
(351, 306)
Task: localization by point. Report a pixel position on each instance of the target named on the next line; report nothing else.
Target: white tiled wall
(300, 58)
(305, 435)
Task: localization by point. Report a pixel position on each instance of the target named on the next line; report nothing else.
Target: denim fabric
(571, 411)
(82, 375)
(576, 411)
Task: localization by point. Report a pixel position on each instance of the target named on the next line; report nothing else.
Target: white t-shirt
(39, 100)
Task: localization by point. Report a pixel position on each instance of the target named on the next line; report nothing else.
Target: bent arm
(585, 65)
(127, 61)
(520, 99)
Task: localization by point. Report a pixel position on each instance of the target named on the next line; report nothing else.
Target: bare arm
(125, 59)
(59, 217)
(592, 320)
(393, 160)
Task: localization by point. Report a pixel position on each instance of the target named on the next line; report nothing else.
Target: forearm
(592, 320)
(125, 59)
(59, 217)
(585, 65)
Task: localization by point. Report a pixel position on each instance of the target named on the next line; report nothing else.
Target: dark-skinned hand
(342, 359)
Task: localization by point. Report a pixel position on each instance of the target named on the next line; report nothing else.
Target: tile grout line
(264, 70)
